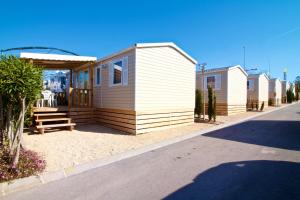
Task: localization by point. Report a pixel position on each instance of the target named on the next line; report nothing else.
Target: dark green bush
(210, 104)
(214, 107)
(198, 103)
(262, 106)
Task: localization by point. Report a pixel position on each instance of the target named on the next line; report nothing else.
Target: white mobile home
(275, 92)
(257, 89)
(230, 86)
(145, 87)
(285, 85)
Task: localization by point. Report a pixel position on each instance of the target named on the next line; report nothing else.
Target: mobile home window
(117, 72)
(250, 85)
(211, 82)
(98, 76)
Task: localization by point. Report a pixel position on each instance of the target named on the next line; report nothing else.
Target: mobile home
(144, 88)
(275, 92)
(230, 87)
(257, 89)
(285, 85)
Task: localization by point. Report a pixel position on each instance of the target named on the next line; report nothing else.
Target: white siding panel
(237, 87)
(120, 96)
(165, 79)
(221, 94)
(263, 88)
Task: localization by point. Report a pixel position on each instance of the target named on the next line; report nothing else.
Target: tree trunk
(19, 134)
(9, 126)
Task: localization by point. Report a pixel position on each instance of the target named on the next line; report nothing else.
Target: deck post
(70, 98)
(91, 69)
(71, 77)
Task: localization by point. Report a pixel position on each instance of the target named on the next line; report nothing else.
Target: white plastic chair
(47, 96)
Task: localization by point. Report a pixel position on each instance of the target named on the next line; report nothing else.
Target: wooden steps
(52, 120)
(55, 125)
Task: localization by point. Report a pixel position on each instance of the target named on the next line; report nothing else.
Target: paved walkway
(257, 159)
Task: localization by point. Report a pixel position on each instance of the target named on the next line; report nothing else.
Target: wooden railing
(62, 99)
(80, 98)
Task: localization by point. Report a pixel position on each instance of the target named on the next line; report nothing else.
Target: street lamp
(203, 89)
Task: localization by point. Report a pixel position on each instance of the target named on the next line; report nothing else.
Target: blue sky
(210, 31)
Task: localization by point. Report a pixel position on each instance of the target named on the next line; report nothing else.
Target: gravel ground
(62, 149)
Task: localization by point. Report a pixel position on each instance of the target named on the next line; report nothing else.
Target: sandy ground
(63, 149)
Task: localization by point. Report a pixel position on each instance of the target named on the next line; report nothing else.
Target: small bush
(256, 106)
(210, 104)
(198, 103)
(270, 102)
(30, 163)
(290, 96)
(214, 107)
(262, 106)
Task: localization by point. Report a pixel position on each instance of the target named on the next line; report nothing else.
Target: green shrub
(262, 106)
(290, 95)
(270, 102)
(198, 103)
(215, 107)
(256, 106)
(210, 104)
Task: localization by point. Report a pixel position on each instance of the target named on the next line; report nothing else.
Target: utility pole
(203, 87)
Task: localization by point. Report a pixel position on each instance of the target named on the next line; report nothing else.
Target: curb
(33, 181)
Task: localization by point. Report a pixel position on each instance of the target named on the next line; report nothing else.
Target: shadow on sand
(278, 134)
(259, 179)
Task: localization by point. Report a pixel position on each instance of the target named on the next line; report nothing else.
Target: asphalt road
(257, 159)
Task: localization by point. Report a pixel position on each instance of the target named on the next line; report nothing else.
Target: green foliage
(210, 104)
(270, 102)
(297, 88)
(19, 79)
(198, 103)
(290, 95)
(262, 106)
(214, 115)
(20, 85)
(256, 106)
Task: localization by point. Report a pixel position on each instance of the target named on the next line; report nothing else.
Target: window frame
(113, 72)
(100, 75)
(214, 77)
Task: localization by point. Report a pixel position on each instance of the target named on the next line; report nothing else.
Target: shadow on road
(243, 180)
(279, 134)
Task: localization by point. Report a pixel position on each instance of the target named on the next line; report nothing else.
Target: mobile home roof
(148, 45)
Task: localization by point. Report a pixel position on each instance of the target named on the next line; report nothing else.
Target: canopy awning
(57, 61)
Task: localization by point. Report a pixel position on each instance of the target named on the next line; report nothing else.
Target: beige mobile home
(285, 85)
(144, 88)
(275, 92)
(230, 86)
(257, 89)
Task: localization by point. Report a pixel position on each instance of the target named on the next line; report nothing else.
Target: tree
(214, 106)
(20, 84)
(198, 103)
(297, 87)
(290, 94)
(262, 106)
(210, 103)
